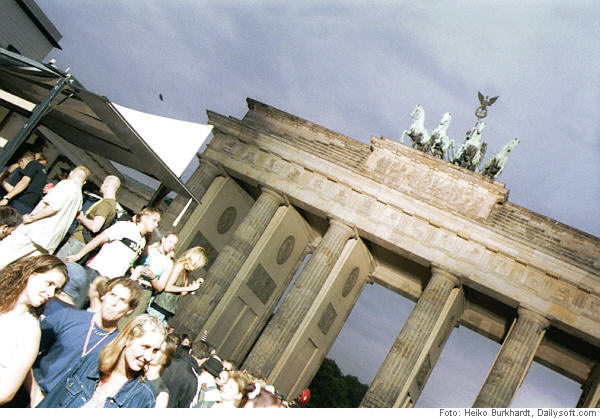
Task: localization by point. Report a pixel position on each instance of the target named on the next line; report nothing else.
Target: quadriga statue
(470, 153)
(417, 132)
(496, 164)
(439, 144)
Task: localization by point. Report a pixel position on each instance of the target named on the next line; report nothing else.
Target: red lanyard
(85, 351)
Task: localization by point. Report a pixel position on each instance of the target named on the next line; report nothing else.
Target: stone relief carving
(261, 284)
(226, 220)
(293, 174)
(350, 282)
(327, 319)
(250, 157)
(285, 250)
(229, 146)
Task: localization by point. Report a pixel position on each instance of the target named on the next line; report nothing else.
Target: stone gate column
(281, 328)
(407, 366)
(229, 261)
(590, 396)
(513, 361)
(198, 184)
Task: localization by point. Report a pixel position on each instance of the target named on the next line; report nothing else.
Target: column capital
(278, 197)
(445, 274)
(533, 316)
(211, 165)
(338, 223)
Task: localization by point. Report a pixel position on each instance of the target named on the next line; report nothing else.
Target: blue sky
(359, 68)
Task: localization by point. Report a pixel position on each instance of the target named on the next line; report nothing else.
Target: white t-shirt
(66, 198)
(157, 262)
(116, 256)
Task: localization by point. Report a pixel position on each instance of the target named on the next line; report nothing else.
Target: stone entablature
(513, 272)
(307, 135)
(547, 235)
(426, 183)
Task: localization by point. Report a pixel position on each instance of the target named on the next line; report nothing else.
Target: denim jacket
(78, 385)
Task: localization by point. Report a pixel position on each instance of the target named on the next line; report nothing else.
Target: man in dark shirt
(27, 192)
(180, 379)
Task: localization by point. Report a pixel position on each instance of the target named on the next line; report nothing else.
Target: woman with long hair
(175, 284)
(25, 284)
(117, 379)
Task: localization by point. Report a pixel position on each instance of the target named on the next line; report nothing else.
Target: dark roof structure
(83, 118)
(44, 24)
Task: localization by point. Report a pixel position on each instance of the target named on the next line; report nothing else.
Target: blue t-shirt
(63, 342)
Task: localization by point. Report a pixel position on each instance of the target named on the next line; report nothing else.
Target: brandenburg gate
(276, 188)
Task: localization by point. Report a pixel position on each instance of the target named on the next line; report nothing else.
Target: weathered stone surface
(513, 361)
(409, 216)
(429, 212)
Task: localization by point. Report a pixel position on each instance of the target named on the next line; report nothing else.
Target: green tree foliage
(331, 389)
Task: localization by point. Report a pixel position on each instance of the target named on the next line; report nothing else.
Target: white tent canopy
(174, 141)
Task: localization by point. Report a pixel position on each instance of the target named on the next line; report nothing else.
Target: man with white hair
(96, 219)
(45, 227)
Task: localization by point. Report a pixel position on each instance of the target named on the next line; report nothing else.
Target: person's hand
(148, 273)
(134, 272)
(27, 219)
(196, 285)
(73, 258)
(80, 216)
(3, 202)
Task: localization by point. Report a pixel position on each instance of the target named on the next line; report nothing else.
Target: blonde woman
(117, 379)
(157, 260)
(174, 284)
(25, 284)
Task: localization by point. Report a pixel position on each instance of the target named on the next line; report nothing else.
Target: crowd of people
(85, 300)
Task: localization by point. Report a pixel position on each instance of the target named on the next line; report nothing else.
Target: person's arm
(8, 171)
(7, 186)
(93, 225)
(14, 190)
(172, 288)
(45, 212)
(160, 283)
(162, 400)
(35, 393)
(96, 241)
(14, 370)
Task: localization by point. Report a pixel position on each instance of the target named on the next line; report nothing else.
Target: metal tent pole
(36, 115)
